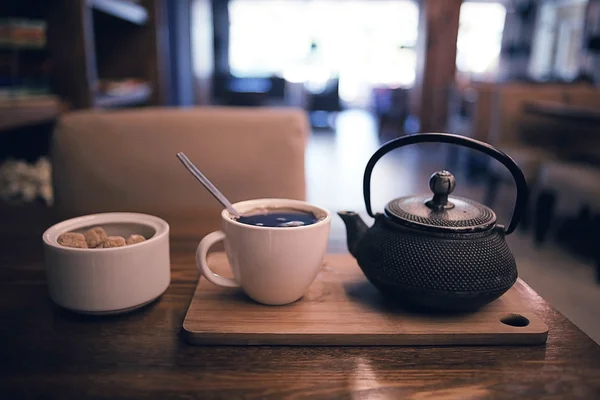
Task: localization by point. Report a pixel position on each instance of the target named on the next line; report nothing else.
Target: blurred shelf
(139, 95)
(22, 112)
(122, 9)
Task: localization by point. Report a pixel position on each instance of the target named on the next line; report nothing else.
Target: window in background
(480, 38)
(570, 18)
(266, 36)
(363, 43)
(540, 66)
(558, 40)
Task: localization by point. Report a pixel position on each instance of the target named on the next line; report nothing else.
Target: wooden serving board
(342, 308)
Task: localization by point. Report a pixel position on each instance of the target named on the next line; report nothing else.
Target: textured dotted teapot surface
(466, 213)
(460, 263)
(437, 251)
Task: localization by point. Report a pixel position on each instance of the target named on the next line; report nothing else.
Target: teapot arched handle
(507, 161)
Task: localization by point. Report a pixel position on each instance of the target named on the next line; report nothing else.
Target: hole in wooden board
(515, 320)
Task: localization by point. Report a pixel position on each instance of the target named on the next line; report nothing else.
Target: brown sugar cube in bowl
(72, 239)
(113, 241)
(102, 281)
(95, 236)
(133, 239)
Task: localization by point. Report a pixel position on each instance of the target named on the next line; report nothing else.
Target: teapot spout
(355, 229)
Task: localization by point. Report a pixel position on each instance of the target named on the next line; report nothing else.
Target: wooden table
(47, 352)
(562, 111)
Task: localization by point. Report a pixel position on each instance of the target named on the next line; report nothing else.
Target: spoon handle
(207, 183)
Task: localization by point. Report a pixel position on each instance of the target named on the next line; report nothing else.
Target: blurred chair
(390, 106)
(528, 139)
(326, 100)
(567, 194)
(568, 200)
(126, 160)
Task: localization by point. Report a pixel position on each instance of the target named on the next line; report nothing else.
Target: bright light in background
(266, 36)
(202, 38)
(363, 43)
(479, 37)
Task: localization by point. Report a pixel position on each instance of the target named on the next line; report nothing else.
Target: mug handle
(206, 243)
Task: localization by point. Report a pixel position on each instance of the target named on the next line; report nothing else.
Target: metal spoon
(207, 184)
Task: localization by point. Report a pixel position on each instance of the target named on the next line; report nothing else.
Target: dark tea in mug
(278, 217)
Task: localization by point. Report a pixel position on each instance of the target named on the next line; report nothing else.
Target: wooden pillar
(179, 16)
(436, 62)
(71, 48)
(220, 14)
(154, 40)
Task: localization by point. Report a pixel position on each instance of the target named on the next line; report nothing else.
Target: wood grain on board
(343, 308)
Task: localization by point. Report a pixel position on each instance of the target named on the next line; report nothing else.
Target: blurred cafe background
(79, 81)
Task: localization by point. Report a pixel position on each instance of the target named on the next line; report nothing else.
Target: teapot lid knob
(441, 183)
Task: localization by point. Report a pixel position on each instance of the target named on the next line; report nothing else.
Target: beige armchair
(126, 160)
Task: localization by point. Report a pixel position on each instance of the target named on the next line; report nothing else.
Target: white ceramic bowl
(111, 280)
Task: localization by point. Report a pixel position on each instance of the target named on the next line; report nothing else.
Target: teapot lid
(441, 211)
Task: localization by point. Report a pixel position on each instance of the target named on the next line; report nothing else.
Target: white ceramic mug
(272, 265)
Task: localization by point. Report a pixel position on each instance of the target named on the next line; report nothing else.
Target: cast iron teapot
(436, 252)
